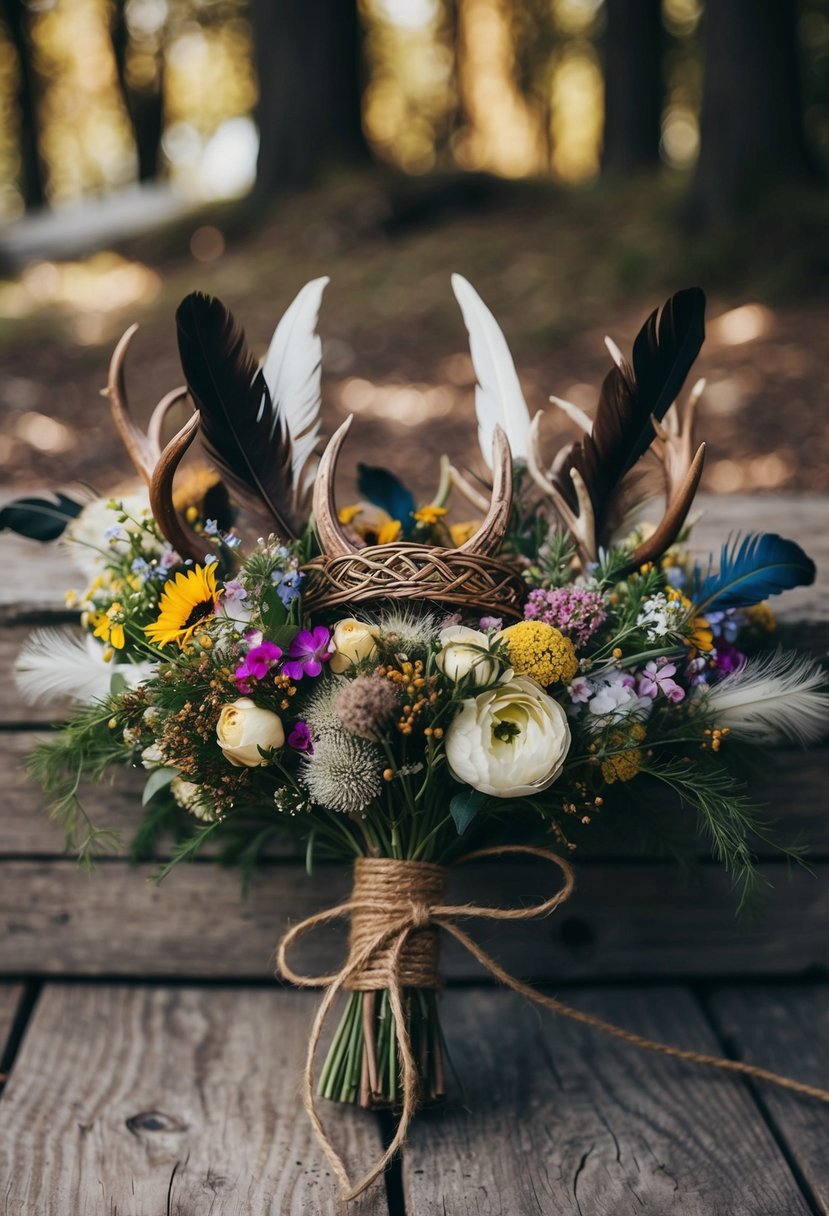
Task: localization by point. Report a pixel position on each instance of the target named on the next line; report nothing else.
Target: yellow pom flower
(187, 602)
(541, 652)
(624, 766)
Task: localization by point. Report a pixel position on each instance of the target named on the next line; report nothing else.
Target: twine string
(396, 916)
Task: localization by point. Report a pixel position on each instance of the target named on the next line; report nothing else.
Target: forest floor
(559, 270)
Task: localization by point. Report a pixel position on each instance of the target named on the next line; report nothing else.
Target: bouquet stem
(362, 1064)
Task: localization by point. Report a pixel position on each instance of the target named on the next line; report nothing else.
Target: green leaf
(465, 806)
(117, 684)
(309, 853)
(158, 779)
(273, 611)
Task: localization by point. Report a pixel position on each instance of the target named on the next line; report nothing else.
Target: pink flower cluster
(576, 611)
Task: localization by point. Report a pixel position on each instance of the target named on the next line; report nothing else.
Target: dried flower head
(319, 711)
(364, 706)
(344, 773)
(408, 632)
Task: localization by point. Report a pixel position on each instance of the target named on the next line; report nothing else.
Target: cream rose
(465, 653)
(243, 728)
(352, 641)
(509, 741)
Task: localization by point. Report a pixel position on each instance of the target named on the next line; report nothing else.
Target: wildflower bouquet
(388, 687)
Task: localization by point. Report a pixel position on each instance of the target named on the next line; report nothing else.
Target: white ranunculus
(509, 741)
(243, 728)
(465, 652)
(352, 642)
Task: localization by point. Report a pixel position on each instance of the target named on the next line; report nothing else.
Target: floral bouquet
(401, 690)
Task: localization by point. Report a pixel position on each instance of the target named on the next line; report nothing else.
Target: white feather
(776, 697)
(58, 664)
(292, 371)
(498, 396)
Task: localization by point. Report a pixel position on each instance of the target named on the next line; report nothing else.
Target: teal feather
(752, 569)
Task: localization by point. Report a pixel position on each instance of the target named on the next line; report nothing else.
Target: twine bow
(382, 956)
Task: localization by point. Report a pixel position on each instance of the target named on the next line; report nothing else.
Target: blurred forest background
(577, 159)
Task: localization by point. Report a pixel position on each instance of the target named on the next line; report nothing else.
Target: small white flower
(661, 616)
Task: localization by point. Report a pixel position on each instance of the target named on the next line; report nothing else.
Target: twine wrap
(474, 581)
(386, 890)
(380, 950)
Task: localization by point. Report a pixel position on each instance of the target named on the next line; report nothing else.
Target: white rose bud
(510, 741)
(352, 641)
(465, 652)
(243, 728)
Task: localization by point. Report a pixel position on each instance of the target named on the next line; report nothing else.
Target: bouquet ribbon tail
(378, 958)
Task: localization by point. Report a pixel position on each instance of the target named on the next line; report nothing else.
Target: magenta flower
(657, 677)
(300, 738)
(307, 653)
(256, 664)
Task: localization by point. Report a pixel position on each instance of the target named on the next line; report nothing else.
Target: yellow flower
(187, 602)
(761, 616)
(540, 651)
(701, 637)
(109, 626)
(461, 533)
(389, 532)
(624, 766)
(347, 515)
(430, 514)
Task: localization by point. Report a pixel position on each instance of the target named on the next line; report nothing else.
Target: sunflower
(187, 602)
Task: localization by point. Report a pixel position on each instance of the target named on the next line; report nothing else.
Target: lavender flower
(658, 677)
(577, 611)
(288, 584)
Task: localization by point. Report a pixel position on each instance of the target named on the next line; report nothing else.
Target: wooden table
(152, 1063)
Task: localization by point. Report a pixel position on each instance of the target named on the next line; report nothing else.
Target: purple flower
(308, 651)
(300, 738)
(256, 664)
(577, 611)
(580, 690)
(657, 677)
(727, 658)
(288, 584)
(490, 622)
(234, 590)
(168, 559)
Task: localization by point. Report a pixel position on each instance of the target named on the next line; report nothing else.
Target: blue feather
(385, 490)
(751, 569)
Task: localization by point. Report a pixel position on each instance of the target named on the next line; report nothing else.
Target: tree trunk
(32, 170)
(633, 85)
(751, 129)
(144, 106)
(309, 62)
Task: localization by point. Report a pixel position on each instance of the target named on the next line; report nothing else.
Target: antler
(155, 465)
(673, 447)
(582, 524)
(335, 541)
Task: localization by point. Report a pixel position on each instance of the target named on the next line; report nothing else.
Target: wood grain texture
(123, 1100)
(786, 1029)
(795, 792)
(562, 1121)
(624, 921)
(10, 997)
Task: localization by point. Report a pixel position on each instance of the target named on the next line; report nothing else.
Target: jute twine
(396, 914)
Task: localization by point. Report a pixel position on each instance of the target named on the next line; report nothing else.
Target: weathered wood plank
(10, 997)
(128, 1100)
(786, 1029)
(627, 920)
(795, 791)
(562, 1120)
